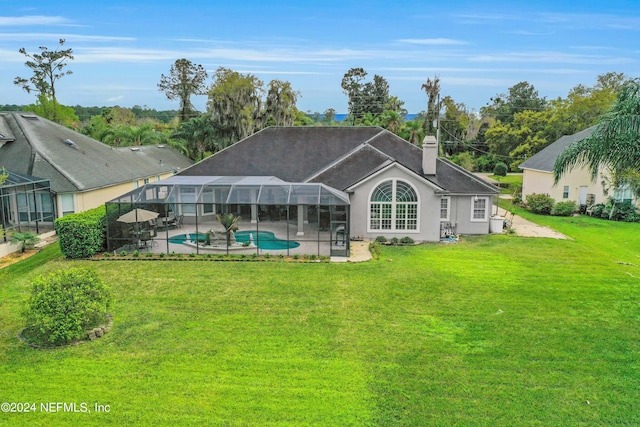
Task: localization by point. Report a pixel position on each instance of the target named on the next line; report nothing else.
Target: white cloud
(14, 21)
(434, 42)
(66, 37)
(552, 57)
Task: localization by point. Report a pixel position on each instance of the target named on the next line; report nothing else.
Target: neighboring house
(83, 173)
(393, 188)
(576, 185)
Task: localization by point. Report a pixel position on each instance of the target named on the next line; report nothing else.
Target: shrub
(486, 162)
(566, 208)
(540, 203)
(624, 212)
(25, 240)
(64, 304)
(375, 249)
(394, 240)
(82, 235)
(500, 169)
(381, 239)
(406, 240)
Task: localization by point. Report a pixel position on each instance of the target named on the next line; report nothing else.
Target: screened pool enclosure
(26, 204)
(180, 215)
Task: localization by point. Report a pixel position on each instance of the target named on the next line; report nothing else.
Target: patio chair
(179, 221)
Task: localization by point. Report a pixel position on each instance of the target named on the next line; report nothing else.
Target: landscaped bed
(495, 330)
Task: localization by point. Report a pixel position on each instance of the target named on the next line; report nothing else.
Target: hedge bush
(82, 235)
(566, 208)
(64, 304)
(540, 203)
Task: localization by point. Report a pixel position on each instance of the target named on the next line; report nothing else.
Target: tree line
(511, 127)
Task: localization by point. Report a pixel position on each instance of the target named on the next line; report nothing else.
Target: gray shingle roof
(336, 156)
(546, 158)
(81, 163)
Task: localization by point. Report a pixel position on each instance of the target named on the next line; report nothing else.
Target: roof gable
(546, 158)
(76, 162)
(336, 156)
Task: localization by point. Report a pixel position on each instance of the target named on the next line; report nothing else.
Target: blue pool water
(181, 238)
(265, 240)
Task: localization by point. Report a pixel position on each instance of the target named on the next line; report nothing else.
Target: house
(577, 185)
(392, 188)
(82, 173)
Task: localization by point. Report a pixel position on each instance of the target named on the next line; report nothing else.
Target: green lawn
(494, 330)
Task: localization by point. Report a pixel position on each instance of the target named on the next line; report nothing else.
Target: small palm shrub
(25, 240)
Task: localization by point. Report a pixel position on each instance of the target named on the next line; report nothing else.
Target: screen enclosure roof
(260, 190)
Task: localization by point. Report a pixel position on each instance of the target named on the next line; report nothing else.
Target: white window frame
(565, 192)
(475, 199)
(393, 206)
(448, 208)
(67, 203)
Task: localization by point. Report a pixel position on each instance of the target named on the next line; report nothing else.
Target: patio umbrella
(138, 215)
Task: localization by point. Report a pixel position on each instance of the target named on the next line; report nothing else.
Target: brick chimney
(429, 155)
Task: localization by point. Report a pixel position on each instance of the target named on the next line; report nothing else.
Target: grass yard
(495, 330)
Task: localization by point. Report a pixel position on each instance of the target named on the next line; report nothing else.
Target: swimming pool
(181, 238)
(265, 240)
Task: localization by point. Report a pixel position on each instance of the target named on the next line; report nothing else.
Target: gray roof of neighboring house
(546, 158)
(75, 162)
(336, 156)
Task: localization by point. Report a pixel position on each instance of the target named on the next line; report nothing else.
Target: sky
(477, 49)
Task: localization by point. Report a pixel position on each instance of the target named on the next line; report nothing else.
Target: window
(393, 206)
(565, 192)
(479, 209)
(623, 193)
(187, 200)
(146, 181)
(67, 203)
(444, 208)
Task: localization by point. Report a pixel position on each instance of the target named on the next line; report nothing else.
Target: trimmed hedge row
(82, 235)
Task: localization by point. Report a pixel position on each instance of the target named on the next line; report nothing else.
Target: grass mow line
(149, 256)
(494, 330)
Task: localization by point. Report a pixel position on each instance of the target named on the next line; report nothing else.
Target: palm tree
(432, 89)
(25, 240)
(412, 131)
(200, 135)
(230, 223)
(614, 144)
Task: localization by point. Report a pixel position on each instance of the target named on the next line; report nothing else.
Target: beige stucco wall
(539, 182)
(92, 199)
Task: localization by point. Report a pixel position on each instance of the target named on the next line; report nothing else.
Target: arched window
(393, 206)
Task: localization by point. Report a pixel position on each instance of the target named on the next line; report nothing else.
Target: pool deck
(308, 242)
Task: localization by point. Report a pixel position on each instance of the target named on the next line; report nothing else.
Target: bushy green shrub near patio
(626, 212)
(82, 235)
(540, 203)
(64, 304)
(566, 208)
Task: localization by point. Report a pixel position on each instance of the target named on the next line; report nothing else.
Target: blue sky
(478, 49)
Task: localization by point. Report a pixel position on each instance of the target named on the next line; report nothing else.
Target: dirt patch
(14, 257)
